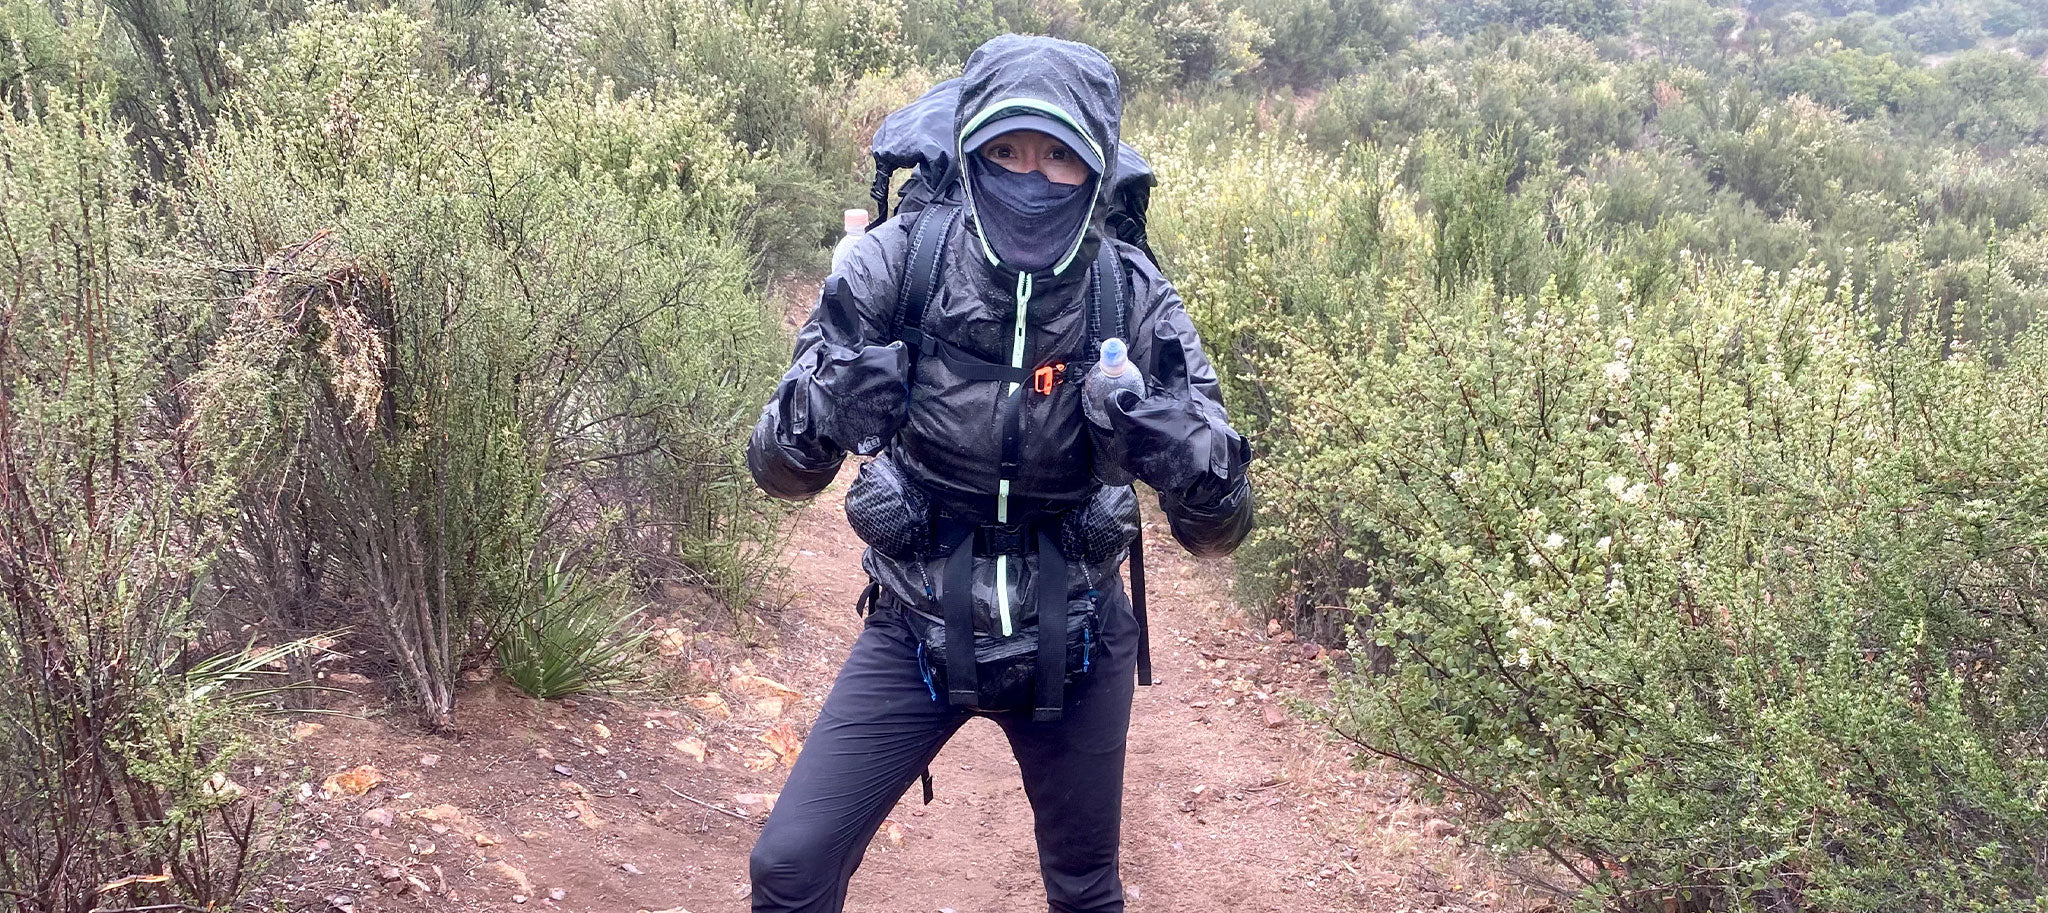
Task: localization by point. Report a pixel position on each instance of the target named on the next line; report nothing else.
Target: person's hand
(1167, 439)
(856, 400)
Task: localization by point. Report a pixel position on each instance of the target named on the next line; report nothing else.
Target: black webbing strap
(967, 365)
(956, 595)
(927, 778)
(879, 190)
(1138, 605)
(1052, 630)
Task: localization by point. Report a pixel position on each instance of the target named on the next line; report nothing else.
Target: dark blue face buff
(1028, 220)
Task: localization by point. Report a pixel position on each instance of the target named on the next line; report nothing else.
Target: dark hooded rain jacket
(951, 444)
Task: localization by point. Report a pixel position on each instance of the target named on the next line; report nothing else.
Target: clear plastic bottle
(856, 222)
(1113, 372)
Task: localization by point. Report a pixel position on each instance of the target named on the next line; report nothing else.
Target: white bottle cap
(856, 221)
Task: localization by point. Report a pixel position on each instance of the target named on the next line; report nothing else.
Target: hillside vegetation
(1652, 397)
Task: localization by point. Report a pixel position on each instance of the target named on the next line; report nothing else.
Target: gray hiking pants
(880, 727)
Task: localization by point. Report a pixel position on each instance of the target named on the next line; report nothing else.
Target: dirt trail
(1231, 804)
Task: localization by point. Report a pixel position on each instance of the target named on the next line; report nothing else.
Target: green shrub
(113, 757)
(479, 335)
(1713, 586)
(1712, 597)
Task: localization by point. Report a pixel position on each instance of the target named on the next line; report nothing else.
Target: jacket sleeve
(1214, 515)
(787, 455)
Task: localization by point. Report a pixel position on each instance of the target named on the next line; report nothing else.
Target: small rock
(564, 770)
(389, 873)
(512, 876)
(1272, 627)
(518, 898)
(630, 869)
(693, 748)
(429, 760)
(1275, 716)
(341, 903)
(556, 894)
(378, 817)
(1439, 828)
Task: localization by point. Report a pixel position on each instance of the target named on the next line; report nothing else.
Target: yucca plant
(571, 637)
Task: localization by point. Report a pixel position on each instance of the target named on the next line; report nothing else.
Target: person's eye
(998, 152)
(1059, 153)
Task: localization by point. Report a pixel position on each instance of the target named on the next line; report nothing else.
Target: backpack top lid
(920, 136)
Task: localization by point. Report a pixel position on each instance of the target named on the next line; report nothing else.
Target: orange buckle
(1045, 378)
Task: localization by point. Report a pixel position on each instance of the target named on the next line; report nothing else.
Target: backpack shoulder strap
(1108, 307)
(928, 235)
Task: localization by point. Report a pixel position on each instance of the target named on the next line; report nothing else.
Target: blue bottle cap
(1113, 354)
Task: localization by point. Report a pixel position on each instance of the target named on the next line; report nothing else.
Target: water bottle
(1113, 372)
(856, 222)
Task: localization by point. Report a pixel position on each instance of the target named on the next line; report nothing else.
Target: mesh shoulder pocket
(889, 512)
(1102, 528)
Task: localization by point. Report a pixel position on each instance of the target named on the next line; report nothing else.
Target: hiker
(952, 345)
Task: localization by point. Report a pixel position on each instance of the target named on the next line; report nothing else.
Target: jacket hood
(1066, 80)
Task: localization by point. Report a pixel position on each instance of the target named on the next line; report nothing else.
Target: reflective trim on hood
(973, 213)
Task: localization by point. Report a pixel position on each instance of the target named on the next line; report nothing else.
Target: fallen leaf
(892, 832)
(763, 761)
(770, 707)
(585, 815)
(710, 705)
(305, 731)
(603, 731)
(483, 839)
(693, 746)
(352, 782)
(783, 740)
